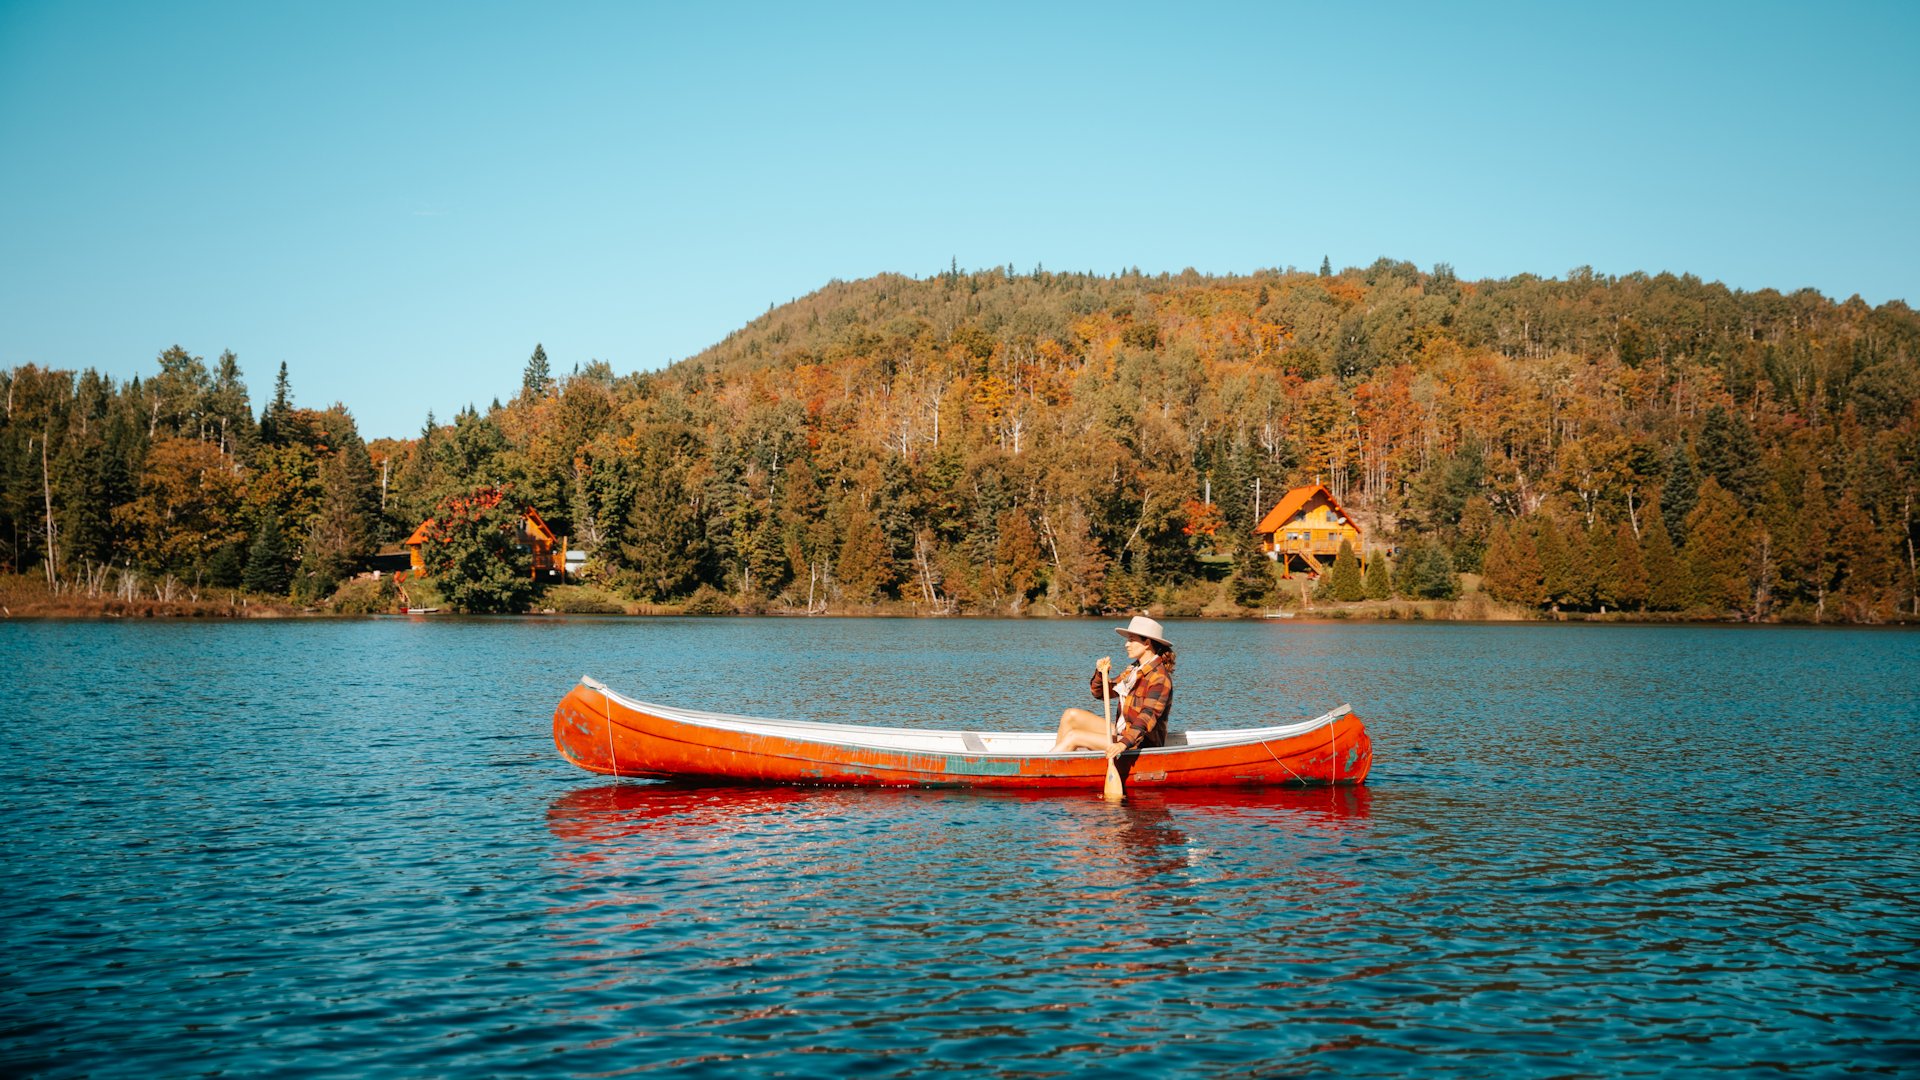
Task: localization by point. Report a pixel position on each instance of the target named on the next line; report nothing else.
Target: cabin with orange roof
(533, 534)
(1304, 530)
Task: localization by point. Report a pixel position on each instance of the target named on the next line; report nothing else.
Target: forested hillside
(1002, 442)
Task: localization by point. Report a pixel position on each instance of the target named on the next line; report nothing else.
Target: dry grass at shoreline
(26, 597)
(29, 597)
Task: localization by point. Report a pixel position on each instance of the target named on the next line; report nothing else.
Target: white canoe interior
(914, 740)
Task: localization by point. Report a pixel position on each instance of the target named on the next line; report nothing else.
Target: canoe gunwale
(835, 735)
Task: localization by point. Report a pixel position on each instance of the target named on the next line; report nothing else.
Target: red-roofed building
(1304, 530)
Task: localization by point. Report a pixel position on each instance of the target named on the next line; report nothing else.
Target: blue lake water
(349, 848)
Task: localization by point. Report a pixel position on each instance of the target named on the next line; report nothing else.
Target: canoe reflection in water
(637, 820)
(609, 813)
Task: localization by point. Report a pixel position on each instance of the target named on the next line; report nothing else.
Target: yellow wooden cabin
(1304, 530)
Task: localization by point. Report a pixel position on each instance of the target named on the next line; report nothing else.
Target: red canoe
(603, 731)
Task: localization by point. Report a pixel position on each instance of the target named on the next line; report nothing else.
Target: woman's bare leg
(1074, 720)
(1079, 730)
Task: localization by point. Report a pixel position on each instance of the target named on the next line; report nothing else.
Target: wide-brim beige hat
(1141, 626)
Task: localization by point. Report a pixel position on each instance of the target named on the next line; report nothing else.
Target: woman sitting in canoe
(1144, 691)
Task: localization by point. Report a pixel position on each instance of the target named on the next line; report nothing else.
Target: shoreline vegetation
(29, 598)
(990, 442)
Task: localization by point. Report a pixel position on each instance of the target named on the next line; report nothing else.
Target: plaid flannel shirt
(1144, 712)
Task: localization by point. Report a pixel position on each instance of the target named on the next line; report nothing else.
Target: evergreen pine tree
(1344, 581)
(1807, 558)
(88, 495)
(1630, 570)
(1865, 563)
(1513, 570)
(1729, 454)
(666, 540)
(767, 555)
(1326, 266)
(1584, 570)
(1602, 566)
(1714, 558)
(1251, 584)
(1530, 575)
(1426, 572)
(229, 412)
(1404, 567)
(1557, 576)
(340, 533)
(1379, 585)
(363, 486)
(1496, 563)
(267, 559)
(415, 483)
(1776, 521)
(227, 568)
(537, 382)
(273, 421)
(1678, 492)
(1667, 585)
(1123, 589)
(1438, 581)
(1472, 535)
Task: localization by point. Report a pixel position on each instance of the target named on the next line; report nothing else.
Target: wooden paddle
(1115, 790)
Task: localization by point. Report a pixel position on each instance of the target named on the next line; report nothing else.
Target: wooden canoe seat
(972, 743)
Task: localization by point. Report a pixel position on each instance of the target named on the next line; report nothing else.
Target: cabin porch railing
(1316, 548)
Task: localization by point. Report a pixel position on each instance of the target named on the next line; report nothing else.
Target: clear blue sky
(399, 200)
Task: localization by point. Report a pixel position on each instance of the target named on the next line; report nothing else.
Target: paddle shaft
(1116, 789)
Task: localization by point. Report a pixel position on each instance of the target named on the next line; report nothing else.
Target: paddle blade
(1115, 790)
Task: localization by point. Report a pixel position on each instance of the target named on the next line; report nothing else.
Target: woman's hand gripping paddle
(1115, 790)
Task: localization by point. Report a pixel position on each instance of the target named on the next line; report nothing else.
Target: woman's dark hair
(1164, 651)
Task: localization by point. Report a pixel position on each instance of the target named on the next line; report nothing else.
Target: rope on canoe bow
(1282, 764)
(612, 759)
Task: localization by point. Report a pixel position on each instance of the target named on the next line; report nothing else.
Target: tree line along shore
(995, 442)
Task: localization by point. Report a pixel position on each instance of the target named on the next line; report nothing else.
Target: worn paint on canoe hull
(607, 734)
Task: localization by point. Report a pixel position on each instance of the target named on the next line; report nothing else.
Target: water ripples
(348, 848)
